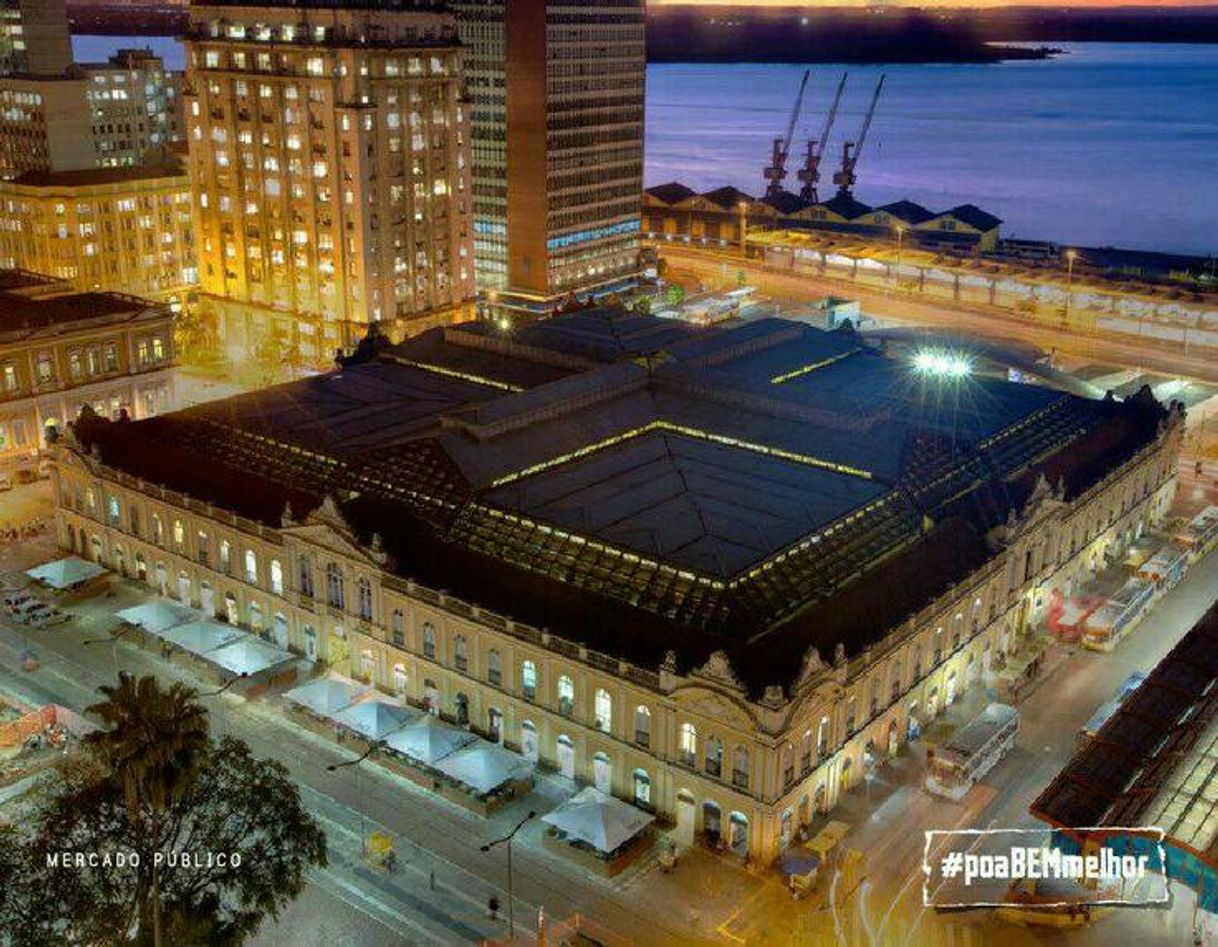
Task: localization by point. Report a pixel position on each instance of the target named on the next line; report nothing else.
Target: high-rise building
(57, 115)
(34, 37)
(125, 229)
(329, 153)
(556, 93)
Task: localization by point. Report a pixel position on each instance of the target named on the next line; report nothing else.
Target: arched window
(251, 566)
(740, 767)
(158, 531)
(255, 613)
(566, 696)
(494, 667)
(276, 577)
(714, 756)
(805, 756)
(604, 710)
(364, 588)
(688, 745)
(397, 625)
(788, 764)
(226, 554)
(335, 596)
(528, 680)
(429, 640)
(460, 653)
(366, 663)
(642, 726)
(179, 535)
(306, 576)
(399, 680)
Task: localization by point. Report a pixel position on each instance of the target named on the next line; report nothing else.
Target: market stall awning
(65, 573)
(327, 695)
(200, 637)
(375, 718)
(248, 655)
(428, 739)
(485, 767)
(604, 822)
(799, 861)
(157, 616)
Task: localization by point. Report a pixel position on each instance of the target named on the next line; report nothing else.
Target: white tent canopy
(428, 739)
(248, 655)
(157, 616)
(374, 718)
(604, 822)
(201, 637)
(65, 573)
(485, 767)
(326, 695)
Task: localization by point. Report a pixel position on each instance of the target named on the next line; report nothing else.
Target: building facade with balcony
(104, 229)
(677, 603)
(62, 350)
(329, 156)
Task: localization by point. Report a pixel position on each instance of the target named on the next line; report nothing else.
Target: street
(713, 269)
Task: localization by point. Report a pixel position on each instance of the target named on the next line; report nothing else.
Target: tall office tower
(34, 37)
(329, 157)
(57, 115)
(556, 93)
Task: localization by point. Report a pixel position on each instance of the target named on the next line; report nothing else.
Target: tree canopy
(240, 820)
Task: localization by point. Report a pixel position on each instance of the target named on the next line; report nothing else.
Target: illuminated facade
(61, 350)
(556, 93)
(106, 229)
(34, 37)
(329, 154)
(681, 608)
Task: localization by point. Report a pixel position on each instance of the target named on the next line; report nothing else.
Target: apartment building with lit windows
(61, 350)
(556, 93)
(124, 229)
(329, 155)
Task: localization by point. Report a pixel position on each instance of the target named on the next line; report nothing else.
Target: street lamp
(1071, 256)
(359, 792)
(507, 839)
(111, 640)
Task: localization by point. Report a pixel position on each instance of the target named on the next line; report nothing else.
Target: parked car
(16, 597)
(24, 610)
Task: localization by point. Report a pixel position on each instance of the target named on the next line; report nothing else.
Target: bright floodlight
(941, 364)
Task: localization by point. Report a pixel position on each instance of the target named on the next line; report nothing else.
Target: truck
(972, 751)
(1109, 623)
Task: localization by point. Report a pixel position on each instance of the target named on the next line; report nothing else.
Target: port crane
(777, 171)
(809, 174)
(844, 178)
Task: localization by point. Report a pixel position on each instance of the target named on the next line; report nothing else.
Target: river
(1107, 144)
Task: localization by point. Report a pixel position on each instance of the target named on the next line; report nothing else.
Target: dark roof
(702, 487)
(94, 176)
(785, 202)
(844, 205)
(974, 216)
(907, 211)
(26, 279)
(1118, 777)
(727, 197)
(21, 312)
(671, 193)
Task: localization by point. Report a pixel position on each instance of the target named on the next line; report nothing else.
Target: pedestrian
(492, 908)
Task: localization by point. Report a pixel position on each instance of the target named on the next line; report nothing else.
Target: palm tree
(152, 741)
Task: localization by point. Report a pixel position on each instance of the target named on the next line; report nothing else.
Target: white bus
(972, 751)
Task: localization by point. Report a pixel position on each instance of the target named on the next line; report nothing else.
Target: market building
(329, 156)
(643, 554)
(123, 229)
(62, 350)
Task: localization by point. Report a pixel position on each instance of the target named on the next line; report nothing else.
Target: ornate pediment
(718, 670)
(327, 528)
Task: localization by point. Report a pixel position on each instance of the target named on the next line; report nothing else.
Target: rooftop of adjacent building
(660, 484)
(1155, 761)
(31, 305)
(93, 177)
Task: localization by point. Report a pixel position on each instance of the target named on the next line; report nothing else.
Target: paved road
(432, 836)
(718, 270)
